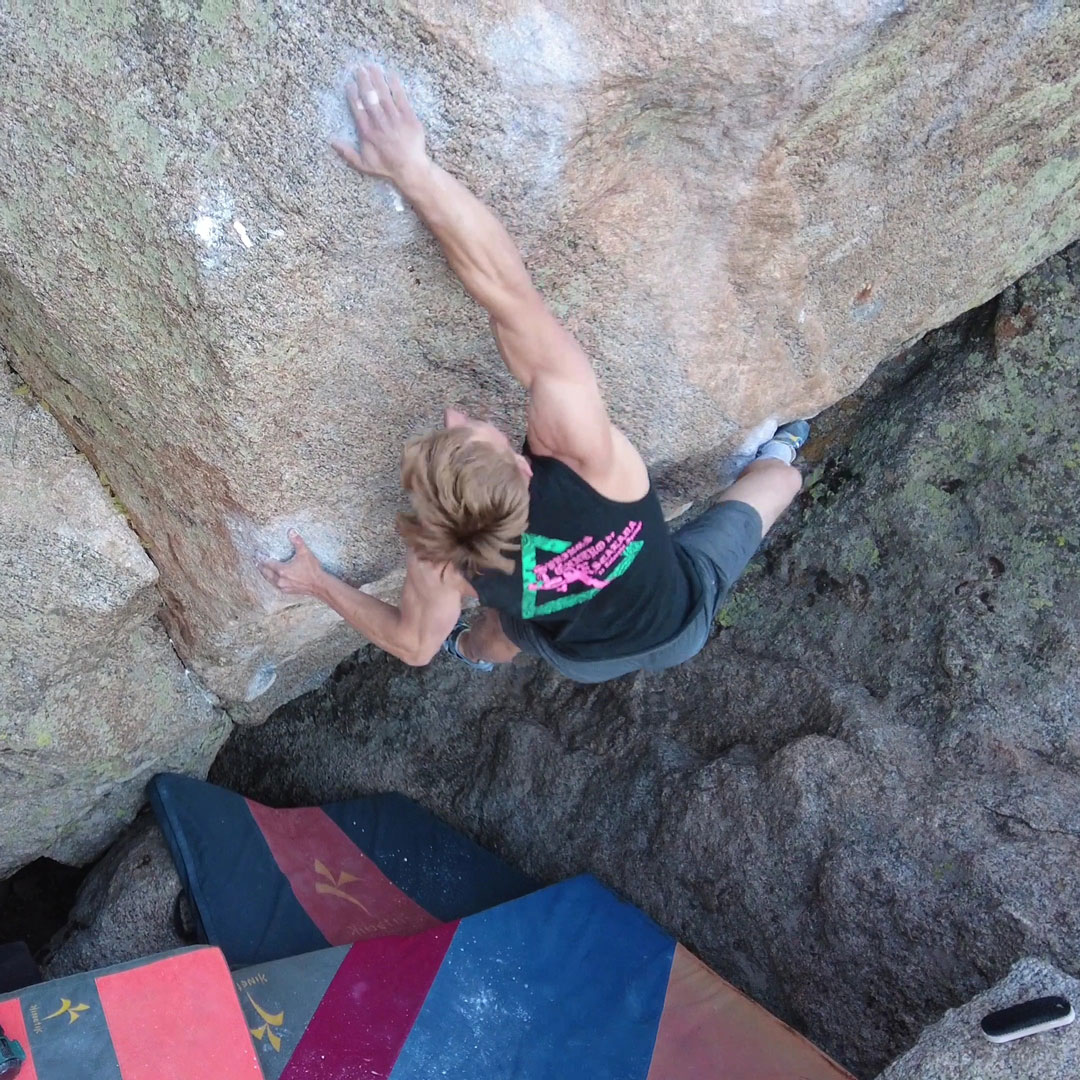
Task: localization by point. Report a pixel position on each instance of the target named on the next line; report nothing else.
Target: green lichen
(98, 58)
(1001, 156)
(861, 557)
(740, 605)
(1057, 176)
(1041, 101)
(215, 13)
(134, 139)
(40, 733)
(176, 10)
(229, 97)
(212, 57)
(1064, 131)
(257, 19)
(1011, 439)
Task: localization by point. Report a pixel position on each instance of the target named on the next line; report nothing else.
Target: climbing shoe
(450, 645)
(787, 441)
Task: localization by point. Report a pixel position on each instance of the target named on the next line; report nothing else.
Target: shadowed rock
(861, 803)
(125, 908)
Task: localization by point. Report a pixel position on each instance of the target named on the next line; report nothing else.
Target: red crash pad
(171, 1017)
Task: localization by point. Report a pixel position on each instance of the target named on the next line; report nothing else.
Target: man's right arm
(567, 415)
(477, 246)
(474, 241)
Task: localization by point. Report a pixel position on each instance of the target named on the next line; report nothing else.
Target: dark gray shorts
(720, 543)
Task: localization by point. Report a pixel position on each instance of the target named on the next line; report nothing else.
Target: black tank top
(603, 578)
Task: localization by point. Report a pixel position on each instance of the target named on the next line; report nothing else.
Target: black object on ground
(1027, 1018)
(17, 967)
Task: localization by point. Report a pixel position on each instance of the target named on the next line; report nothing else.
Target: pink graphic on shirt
(584, 562)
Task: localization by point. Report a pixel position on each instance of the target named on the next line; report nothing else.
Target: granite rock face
(93, 699)
(955, 1049)
(741, 209)
(125, 908)
(861, 802)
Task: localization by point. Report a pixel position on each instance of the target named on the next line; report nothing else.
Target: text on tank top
(602, 578)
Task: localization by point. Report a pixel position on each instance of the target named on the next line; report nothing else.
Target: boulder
(861, 803)
(93, 699)
(126, 908)
(740, 208)
(955, 1049)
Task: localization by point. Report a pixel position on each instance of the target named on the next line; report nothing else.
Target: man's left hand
(301, 575)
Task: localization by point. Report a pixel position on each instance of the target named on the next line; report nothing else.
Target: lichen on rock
(93, 698)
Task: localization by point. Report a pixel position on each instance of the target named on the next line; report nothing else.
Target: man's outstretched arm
(475, 243)
(413, 632)
(567, 416)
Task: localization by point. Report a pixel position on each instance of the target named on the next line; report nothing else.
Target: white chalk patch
(261, 681)
(242, 233)
(426, 103)
(539, 48)
(325, 540)
(337, 120)
(213, 216)
(844, 249)
(205, 228)
(540, 58)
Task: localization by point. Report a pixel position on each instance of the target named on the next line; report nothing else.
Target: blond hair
(470, 501)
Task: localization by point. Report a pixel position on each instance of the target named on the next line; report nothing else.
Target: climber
(563, 543)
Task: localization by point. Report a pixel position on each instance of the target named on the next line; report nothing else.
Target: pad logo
(269, 1022)
(588, 563)
(72, 1012)
(335, 885)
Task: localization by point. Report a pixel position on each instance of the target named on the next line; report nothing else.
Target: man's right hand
(301, 574)
(391, 137)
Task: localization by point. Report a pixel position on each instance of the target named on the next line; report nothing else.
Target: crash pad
(266, 883)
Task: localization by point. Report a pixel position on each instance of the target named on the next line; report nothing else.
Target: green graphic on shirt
(532, 583)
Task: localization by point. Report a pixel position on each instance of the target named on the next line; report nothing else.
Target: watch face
(1028, 1014)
